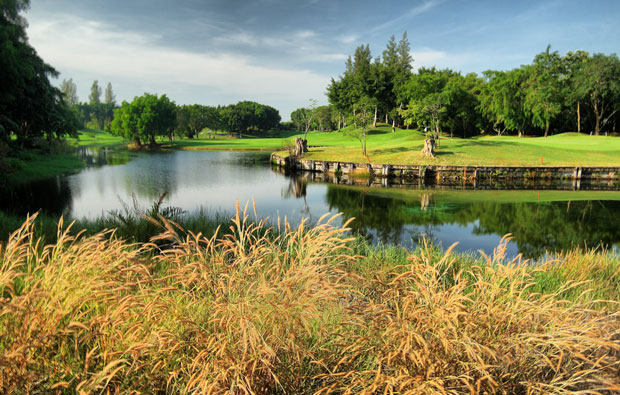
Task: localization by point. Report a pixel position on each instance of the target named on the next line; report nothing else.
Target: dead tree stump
(301, 146)
(429, 148)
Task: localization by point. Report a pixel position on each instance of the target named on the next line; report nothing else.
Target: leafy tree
(324, 117)
(502, 100)
(248, 116)
(69, 91)
(362, 120)
(573, 96)
(28, 101)
(427, 100)
(145, 118)
(191, 120)
(109, 97)
(304, 117)
(95, 93)
(599, 80)
(543, 96)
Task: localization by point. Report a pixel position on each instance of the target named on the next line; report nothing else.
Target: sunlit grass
(404, 146)
(278, 309)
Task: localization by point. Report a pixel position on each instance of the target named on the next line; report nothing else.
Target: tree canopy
(30, 106)
(553, 94)
(145, 118)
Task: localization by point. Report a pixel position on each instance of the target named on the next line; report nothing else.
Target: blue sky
(284, 52)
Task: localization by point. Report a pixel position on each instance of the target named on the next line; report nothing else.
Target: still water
(538, 220)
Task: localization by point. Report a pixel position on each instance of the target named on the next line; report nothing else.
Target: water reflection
(536, 226)
(538, 220)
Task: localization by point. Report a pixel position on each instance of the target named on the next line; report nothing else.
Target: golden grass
(264, 310)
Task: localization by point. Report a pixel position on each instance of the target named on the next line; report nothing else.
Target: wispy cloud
(426, 6)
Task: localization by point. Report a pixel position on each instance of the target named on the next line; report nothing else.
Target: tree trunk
(393, 125)
(364, 146)
(546, 128)
(374, 122)
(597, 116)
(578, 118)
(429, 148)
(137, 142)
(386, 117)
(301, 146)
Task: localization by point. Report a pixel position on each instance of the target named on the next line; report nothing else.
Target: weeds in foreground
(262, 310)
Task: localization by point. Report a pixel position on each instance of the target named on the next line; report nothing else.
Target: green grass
(403, 147)
(34, 165)
(92, 137)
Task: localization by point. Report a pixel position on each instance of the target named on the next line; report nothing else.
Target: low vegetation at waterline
(299, 310)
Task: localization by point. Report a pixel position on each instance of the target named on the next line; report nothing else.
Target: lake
(538, 220)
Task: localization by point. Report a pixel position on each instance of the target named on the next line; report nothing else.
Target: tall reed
(267, 310)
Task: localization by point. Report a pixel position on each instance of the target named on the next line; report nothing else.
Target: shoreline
(449, 175)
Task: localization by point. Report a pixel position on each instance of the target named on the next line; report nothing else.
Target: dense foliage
(31, 108)
(144, 119)
(576, 92)
(248, 116)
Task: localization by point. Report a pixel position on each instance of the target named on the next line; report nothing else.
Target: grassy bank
(404, 146)
(34, 165)
(300, 311)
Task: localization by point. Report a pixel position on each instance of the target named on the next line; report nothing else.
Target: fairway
(403, 147)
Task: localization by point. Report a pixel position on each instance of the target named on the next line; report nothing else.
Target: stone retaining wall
(450, 175)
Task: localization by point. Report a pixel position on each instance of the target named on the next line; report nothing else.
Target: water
(538, 220)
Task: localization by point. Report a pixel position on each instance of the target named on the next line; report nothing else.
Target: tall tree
(109, 97)
(69, 92)
(30, 106)
(599, 80)
(502, 100)
(95, 93)
(543, 97)
(574, 96)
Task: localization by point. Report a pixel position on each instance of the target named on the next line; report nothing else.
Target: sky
(284, 52)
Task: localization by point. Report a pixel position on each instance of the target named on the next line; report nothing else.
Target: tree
(543, 95)
(30, 106)
(599, 80)
(502, 100)
(95, 93)
(247, 116)
(145, 118)
(362, 120)
(69, 91)
(573, 64)
(109, 97)
(427, 100)
(324, 117)
(303, 117)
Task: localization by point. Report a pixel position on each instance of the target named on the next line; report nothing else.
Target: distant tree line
(94, 114)
(149, 116)
(576, 92)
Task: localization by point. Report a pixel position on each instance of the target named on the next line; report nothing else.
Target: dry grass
(263, 311)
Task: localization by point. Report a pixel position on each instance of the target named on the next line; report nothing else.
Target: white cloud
(72, 44)
(426, 6)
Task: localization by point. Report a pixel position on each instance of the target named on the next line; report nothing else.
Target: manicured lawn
(92, 137)
(403, 147)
